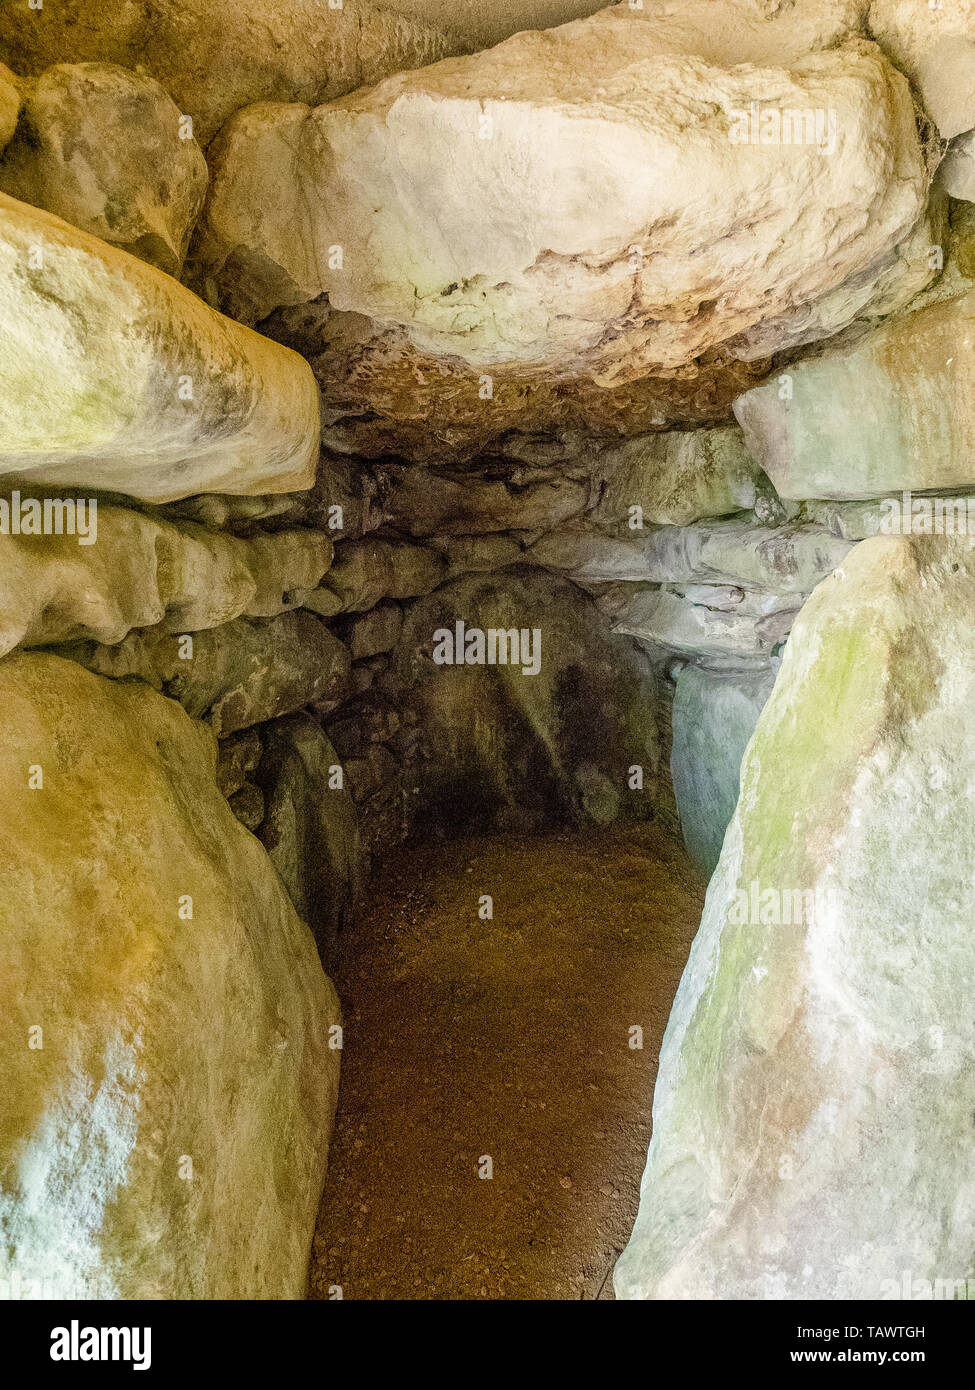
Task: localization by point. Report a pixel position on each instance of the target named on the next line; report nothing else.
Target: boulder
(132, 571)
(214, 59)
(728, 32)
(714, 717)
(935, 45)
(677, 477)
(113, 376)
(169, 1083)
(509, 745)
(888, 412)
(102, 147)
(956, 173)
(382, 397)
(813, 1110)
(478, 554)
(594, 252)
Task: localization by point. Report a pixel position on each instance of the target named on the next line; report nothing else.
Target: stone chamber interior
(485, 609)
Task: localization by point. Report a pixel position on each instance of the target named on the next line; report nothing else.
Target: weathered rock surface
(374, 568)
(726, 637)
(114, 376)
(309, 828)
(168, 1083)
(478, 554)
(785, 559)
(714, 716)
(374, 632)
(381, 396)
(239, 674)
(935, 45)
(9, 105)
(819, 1054)
(500, 747)
(956, 172)
(594, 253)
(214, 59)
(678, 477)
(101, 147)
(727, 32)
(427, 502)
(886, 413)
(139, 572)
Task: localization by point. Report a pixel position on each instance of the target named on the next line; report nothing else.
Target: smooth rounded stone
(886, 413)
(669, 620)
(427, 502)
(169, 1085)
(309, 827)
(101, 147)
(324, 602)
(813, 1110)
(550, 738)
(935, 45)
(368, 570)
(593, 253)
(714, 716)
(239, 674)
(139, 572)
(677, 477)
(213, 59)
(956, 172)
(113, 376)
(374, 632)
(9, 105)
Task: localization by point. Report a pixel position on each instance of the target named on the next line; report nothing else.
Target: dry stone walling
(564, 341)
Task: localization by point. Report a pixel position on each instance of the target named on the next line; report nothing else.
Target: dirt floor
(505, 1039)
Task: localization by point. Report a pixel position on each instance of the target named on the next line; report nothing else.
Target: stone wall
(326, 367)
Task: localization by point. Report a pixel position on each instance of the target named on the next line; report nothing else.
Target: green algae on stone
(815, 1068)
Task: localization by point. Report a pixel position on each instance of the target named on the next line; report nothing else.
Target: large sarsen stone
(168, 1077)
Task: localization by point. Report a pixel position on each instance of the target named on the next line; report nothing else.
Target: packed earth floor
(505, 1039)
